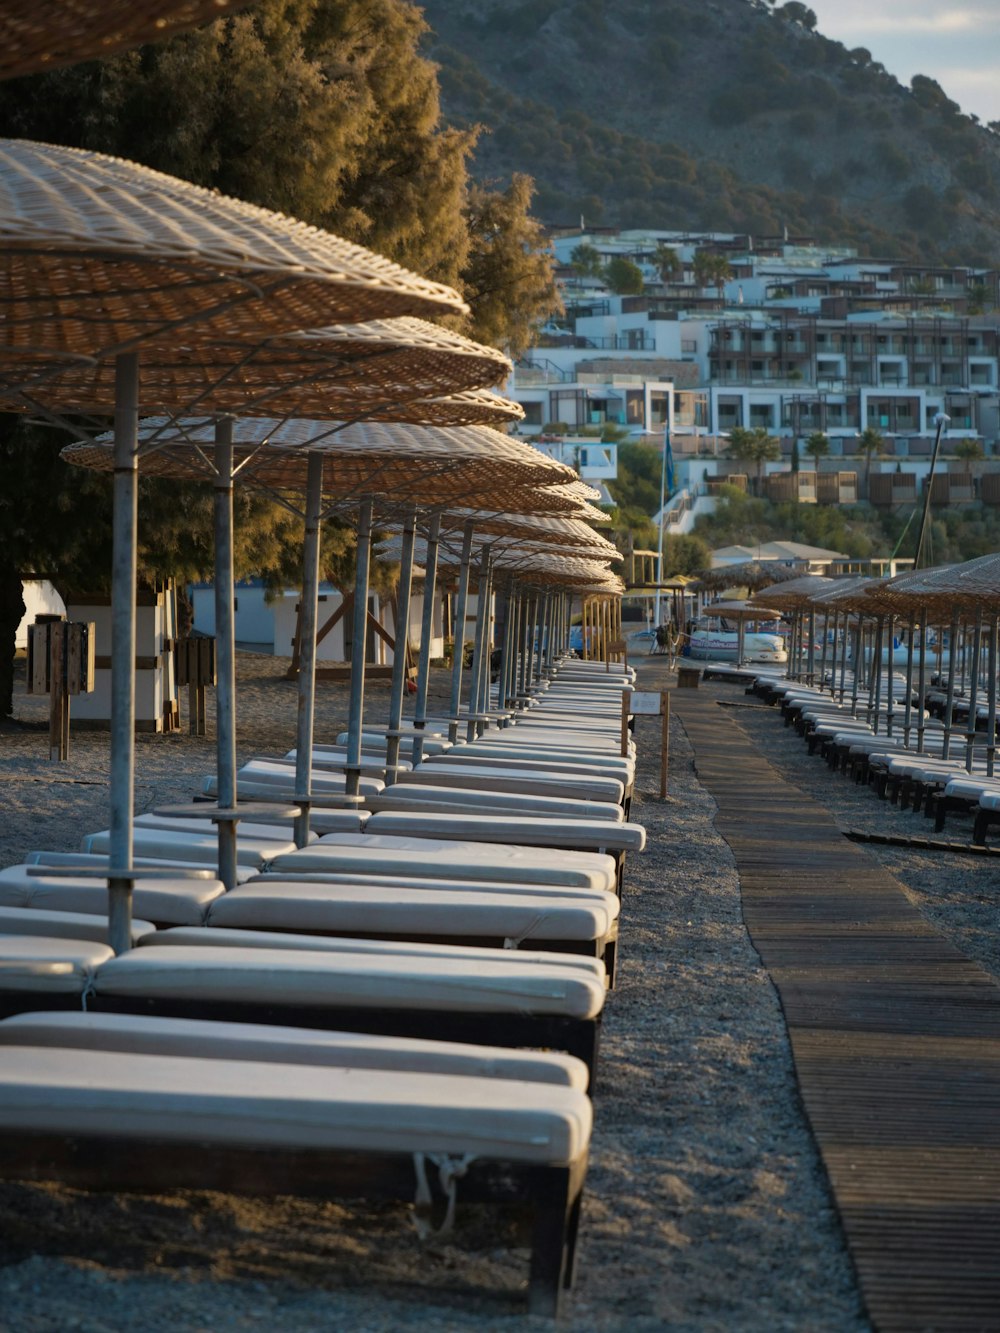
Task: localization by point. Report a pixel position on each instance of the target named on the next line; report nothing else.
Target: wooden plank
(895, 1036)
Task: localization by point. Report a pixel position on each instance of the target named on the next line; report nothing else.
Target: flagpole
(667, 464)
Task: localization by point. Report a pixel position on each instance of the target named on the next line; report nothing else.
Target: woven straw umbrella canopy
(752, 575)
(404, 463)
(565, 532)
(45, 34)
(100, 254)
(795, 594)
(350, 370)
(973, 586)
(741, 611)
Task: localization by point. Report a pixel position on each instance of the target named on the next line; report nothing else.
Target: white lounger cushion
(572, 892)
(199, 825)
(92, 861)
(25, 959)
(180, 902)
(345, 910)
(63, 925)
(524, 781)
(143, 1035)
(435, 742)
(504, 756)
(404, 796)
(474, 862)
(201, 846)
(303, 977)
(214, 937)
(277, 772)
(108, 1093)
(592, 834)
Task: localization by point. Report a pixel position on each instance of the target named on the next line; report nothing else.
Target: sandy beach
(706, 1207)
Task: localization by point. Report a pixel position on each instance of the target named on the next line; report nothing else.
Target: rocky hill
(716, 114)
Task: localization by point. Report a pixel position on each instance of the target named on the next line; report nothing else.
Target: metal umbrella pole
(426, 631)
(359, 640)
(908, 703)
(505, 682)
(461, 612)
(991, 686)
(479, 643)
(823, 654)
(225, 645)
(541, 607)
(811, 648)
(402, 634)
(845, 638)
(922, 684)
(306, 703)
(949, 707)
(123, 578)
(890, 678)
(859, 641)
(970, 731)
(875, 696)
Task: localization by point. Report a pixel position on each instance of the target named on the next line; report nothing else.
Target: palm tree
(754, 446)
(668, 262)
(818, 446)
(711, 270)
(870, 443)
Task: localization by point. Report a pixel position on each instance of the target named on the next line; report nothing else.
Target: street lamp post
(940, 421)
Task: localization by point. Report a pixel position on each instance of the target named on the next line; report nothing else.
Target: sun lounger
(64, 925)
(486, 915)
(211, 1040)
(50, 970)
(90, 860)
(493, 997)
(525, 782)
(200, 846)
(595, 835)
(125, 1121)
(471, 862)
(166, 902)
(414, 795)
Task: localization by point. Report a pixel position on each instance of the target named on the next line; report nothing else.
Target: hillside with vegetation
(733, 115)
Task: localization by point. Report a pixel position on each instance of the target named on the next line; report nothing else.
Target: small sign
(645, 703)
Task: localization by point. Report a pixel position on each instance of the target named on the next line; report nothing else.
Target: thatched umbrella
(101, 257)
(37, 35)
(349, 464)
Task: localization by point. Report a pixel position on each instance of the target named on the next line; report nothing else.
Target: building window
(532, 414)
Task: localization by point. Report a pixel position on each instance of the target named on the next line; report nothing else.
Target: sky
(956, 43)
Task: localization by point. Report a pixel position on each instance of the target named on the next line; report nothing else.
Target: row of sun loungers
(404, 942)
(923, 779)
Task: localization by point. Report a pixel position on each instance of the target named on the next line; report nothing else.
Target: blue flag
(668, 461)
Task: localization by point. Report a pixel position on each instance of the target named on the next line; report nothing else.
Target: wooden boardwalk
(895, 1036)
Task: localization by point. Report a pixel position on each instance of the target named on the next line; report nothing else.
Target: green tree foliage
(637, 486)
(668, 263)
(685, 554)
(508, 277)
(755, 446)
(712, 270)
(871, 443)
(798, 13)
(587, 261)
(323, 109)
(970, 449)
(817, 446)
(624, 276)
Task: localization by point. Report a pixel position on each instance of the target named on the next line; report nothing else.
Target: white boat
(716, 638)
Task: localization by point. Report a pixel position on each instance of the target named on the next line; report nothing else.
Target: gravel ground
(706, 1206)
